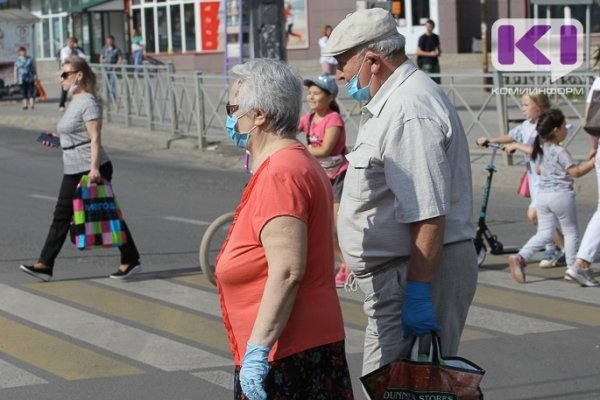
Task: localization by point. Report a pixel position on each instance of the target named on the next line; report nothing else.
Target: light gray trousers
(591, 238)
(452, 293)
(553, 206)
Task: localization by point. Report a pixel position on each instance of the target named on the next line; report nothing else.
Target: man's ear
(373, 60)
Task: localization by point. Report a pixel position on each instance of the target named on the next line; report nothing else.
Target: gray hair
(273, 88)
(388, 47)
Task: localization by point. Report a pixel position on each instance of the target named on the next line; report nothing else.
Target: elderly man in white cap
(405, 214)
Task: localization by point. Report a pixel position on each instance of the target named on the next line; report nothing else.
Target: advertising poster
(296, 24)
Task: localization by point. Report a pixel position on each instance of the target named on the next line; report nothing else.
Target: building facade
(202, 34)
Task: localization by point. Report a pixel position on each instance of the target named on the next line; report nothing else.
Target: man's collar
(404, 70)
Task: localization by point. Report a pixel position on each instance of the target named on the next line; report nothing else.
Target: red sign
(209, 25)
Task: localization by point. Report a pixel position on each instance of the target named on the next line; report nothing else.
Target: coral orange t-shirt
(292, 183)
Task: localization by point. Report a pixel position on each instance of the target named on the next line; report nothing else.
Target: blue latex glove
(418, 316)
(255, 367)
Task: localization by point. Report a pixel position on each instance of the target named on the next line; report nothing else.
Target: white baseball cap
(359, 28)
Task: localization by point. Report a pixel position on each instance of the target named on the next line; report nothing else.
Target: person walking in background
(521, 138)
(328, 64)
(279, 303)
(71, 49)
(555, 198)
(137, 47)
(25, 75)
(111, 55)
(326, 140)
(79, 131)
(429, 51)
(405, 219)
(590, 243)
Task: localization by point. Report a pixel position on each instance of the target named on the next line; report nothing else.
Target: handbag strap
(310, 120)
(435, 349)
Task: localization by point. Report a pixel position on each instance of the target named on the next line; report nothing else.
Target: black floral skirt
(320, 373)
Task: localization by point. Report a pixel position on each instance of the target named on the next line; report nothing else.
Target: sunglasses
(66, 74)
(231, 108)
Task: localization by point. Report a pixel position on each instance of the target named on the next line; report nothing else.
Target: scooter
(484, 234)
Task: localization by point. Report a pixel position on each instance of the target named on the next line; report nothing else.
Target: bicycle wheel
(211, 243)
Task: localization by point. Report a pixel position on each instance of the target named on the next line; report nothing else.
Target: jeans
(63, 212)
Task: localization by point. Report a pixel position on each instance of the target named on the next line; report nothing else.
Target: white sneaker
(582, 275)
(552, 258)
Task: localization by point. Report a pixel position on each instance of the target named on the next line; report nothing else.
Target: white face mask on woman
(73, 88)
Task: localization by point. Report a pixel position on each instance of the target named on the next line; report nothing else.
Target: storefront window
(46, 38)
(56, 34)
(190, 27)
(149, 26)
(176, 28)
(420, 12)
(163, 29)
(173, 22)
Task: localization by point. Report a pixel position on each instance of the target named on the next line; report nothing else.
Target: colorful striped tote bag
(97, 217)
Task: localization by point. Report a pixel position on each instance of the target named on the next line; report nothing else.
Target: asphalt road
(160, 336)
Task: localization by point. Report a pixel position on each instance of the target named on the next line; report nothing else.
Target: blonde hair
(88, 81)
(540, 99)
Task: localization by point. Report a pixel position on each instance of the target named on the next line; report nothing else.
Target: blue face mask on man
(359, 94)
(240, 139)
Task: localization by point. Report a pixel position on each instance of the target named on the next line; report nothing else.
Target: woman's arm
(94, 128)
(285, 242)
(577, 171)
(502, 139)
(332, 135)
(511, 147)
(593, 139)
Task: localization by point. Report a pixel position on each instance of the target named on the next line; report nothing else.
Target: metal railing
(193, 105)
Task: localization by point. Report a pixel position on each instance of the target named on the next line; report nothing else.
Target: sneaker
(582, 275)
(517, 266)
(552, 258)
(341, 276)
(43, 274)
(132, 269)
(61, 109)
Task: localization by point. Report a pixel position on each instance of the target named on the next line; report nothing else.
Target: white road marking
(536, 285)
(137, 344)
(42, 197)
(11, 376)
(203, 301)
(186, 220)
(220, 378)
(510, 323)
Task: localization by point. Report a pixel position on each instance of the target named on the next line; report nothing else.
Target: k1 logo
(544, 45)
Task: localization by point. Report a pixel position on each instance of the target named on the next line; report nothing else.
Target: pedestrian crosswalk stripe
(475, 334)
(136, 344)
(57, 356)
(509, 323)
(184, 296)
(217, 377)
(557, 309)
(196, 280)
(541, 286)
(11, 376)
(206, 302)
(150, 314)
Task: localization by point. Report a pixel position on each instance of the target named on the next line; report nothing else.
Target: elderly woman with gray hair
(275, 265)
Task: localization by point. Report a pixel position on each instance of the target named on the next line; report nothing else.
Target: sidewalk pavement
(226, 156)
